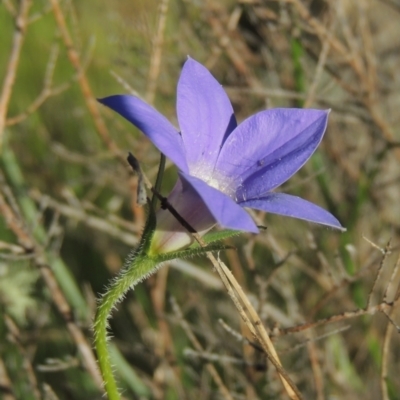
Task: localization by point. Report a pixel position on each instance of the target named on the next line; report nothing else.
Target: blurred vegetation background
(68, 213)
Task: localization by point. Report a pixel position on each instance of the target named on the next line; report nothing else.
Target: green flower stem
(140, 267)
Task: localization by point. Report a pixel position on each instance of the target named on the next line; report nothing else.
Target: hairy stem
(138, 268)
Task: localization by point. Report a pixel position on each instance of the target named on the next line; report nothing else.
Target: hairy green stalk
(140, 267)
(137, 267)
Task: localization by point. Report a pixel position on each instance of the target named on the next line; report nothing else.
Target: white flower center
(214, 183)
(215, 179)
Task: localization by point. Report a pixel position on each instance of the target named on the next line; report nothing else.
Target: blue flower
(225, 167)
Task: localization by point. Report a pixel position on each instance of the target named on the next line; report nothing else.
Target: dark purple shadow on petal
(280, 165)
(226, 212)
(152, 123)
(205, 116)
(293, 206)
(263, 140)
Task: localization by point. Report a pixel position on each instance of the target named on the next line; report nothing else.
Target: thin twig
(112, 226)
(371, 72)
(385, 360)
(387, 251)
(155, 61)
(90, 100)
(390, 286)
(46, 92)
(353, 48)
(382, 307)
(320, 68)
(11, 70)
(238, 336)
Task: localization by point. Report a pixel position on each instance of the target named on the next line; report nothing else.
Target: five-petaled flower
(224, 167)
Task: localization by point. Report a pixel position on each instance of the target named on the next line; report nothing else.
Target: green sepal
(191, 252)
(217, 236)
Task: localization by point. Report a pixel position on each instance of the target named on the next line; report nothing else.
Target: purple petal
(205, 116)
(153, 124)
(293, 206)
(268, 148)
(225, 211)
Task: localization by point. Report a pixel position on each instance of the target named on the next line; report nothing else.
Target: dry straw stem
(33, 248)
(13, 61)
(253, 322)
